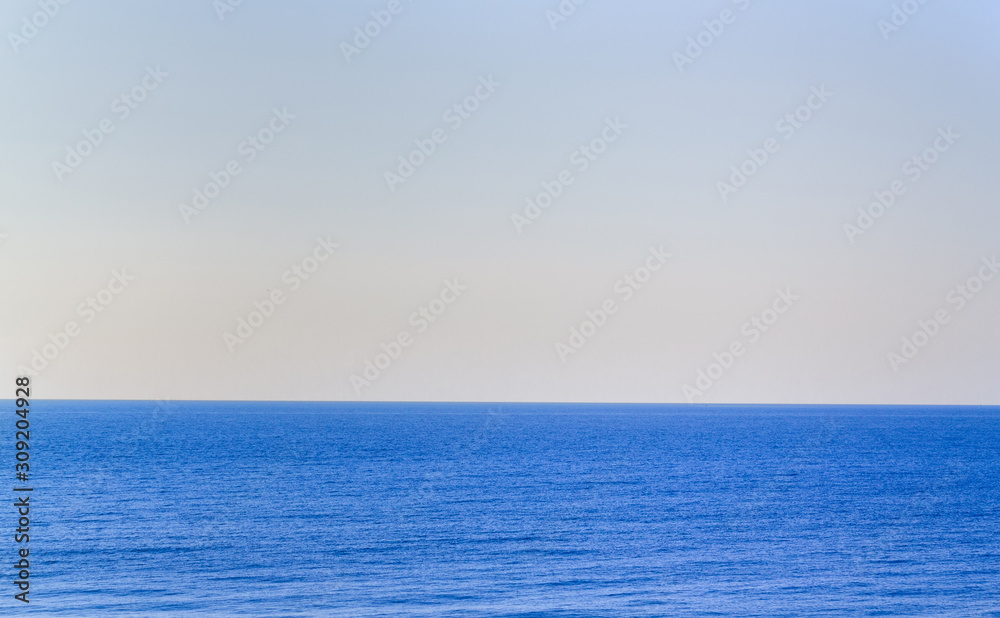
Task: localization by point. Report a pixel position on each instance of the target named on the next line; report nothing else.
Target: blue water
(386, 510)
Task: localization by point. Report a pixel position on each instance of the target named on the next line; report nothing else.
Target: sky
(586, 201)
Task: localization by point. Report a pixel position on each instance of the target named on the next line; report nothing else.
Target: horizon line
(523, 403)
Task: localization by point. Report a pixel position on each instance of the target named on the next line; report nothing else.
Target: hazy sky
(625, 124)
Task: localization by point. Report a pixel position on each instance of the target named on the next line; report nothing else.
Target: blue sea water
(261, 509)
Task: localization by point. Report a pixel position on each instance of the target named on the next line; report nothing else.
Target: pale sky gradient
(654, 186)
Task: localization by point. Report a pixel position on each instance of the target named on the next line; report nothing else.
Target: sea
(322, 509)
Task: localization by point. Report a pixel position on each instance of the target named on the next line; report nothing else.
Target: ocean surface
(259, 509)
